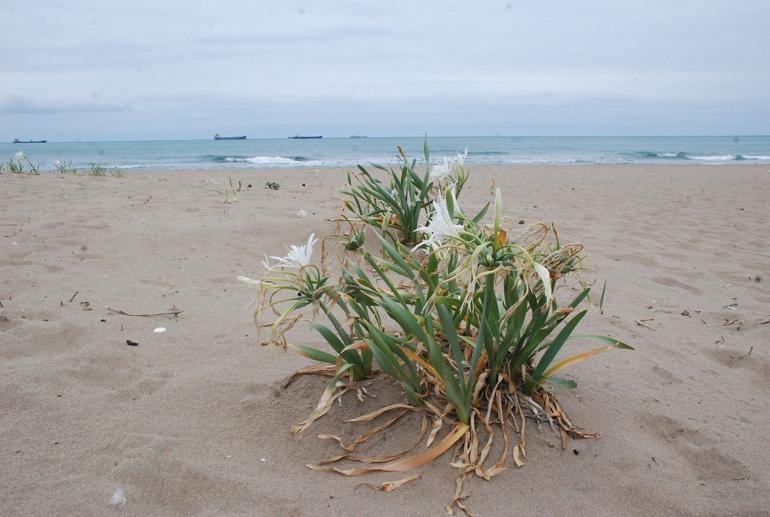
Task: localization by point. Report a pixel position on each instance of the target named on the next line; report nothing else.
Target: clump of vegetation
(64, 167)
(34, 167)
(463, 314)
(230, 192)
(394, 206)
(97, 169)
(16, 164)
(272, 185)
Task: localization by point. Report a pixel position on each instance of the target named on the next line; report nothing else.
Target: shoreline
(194, 421)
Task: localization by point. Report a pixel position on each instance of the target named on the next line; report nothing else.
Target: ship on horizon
(17, 141)
(220, 137)
(305, 137)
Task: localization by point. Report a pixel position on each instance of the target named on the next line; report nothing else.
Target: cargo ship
(303, 137)
(17, 141)
(220, 137)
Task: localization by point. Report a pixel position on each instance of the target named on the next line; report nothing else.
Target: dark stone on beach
(303, 184)
(248, 186)
(575, 452)
(685, 312)
(103, 320)
(757, 279)
(131, 343)
(521, 221)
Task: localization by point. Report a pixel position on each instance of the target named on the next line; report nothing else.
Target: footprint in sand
(640, 260)
(734, 360)
(706, 460)
(673, 282)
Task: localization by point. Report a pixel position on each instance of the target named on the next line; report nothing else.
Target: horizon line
(729, 135)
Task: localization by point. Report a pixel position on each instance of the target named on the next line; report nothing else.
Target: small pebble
(131, 343)
(159, 330)
(685, 312)
(521, 221)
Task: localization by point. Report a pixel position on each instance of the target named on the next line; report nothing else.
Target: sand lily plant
(395, 204)
(463, 315)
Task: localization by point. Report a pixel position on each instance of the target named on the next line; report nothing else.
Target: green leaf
(566, 383)
(478, 217)
(404, 268)
(607, 340)
(450, 331)
(330, 338)
(315, 355)
(555, 346)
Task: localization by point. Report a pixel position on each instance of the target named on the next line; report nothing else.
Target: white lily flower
(442, 170)
(298, 256)
(441, 225)
(439, 171)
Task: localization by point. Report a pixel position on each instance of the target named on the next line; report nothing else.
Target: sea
(347, 152)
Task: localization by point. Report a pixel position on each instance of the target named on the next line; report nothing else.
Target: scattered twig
(147, 200)
(391, 485)
(642, 323)
(749, 352)
(173, 311)
(73, 296)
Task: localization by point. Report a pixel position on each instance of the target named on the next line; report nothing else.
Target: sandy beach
(194, 420)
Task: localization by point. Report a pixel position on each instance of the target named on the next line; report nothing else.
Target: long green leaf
(555, 346)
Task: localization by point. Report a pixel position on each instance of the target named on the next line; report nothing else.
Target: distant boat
(357, 136)
(220, 137)
(17, 141)
(302, 137)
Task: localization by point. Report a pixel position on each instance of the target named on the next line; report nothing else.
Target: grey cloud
(416, 61)
(20, 105)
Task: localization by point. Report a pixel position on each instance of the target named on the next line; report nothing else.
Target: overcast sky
(78, 70)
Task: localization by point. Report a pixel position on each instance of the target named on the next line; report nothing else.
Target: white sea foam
(756, 157)
(714, 158)
(264, 160)
(261, 160)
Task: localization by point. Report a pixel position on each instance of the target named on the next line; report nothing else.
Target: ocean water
(347, 152)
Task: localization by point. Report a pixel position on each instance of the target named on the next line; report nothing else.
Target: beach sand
(194, 421)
